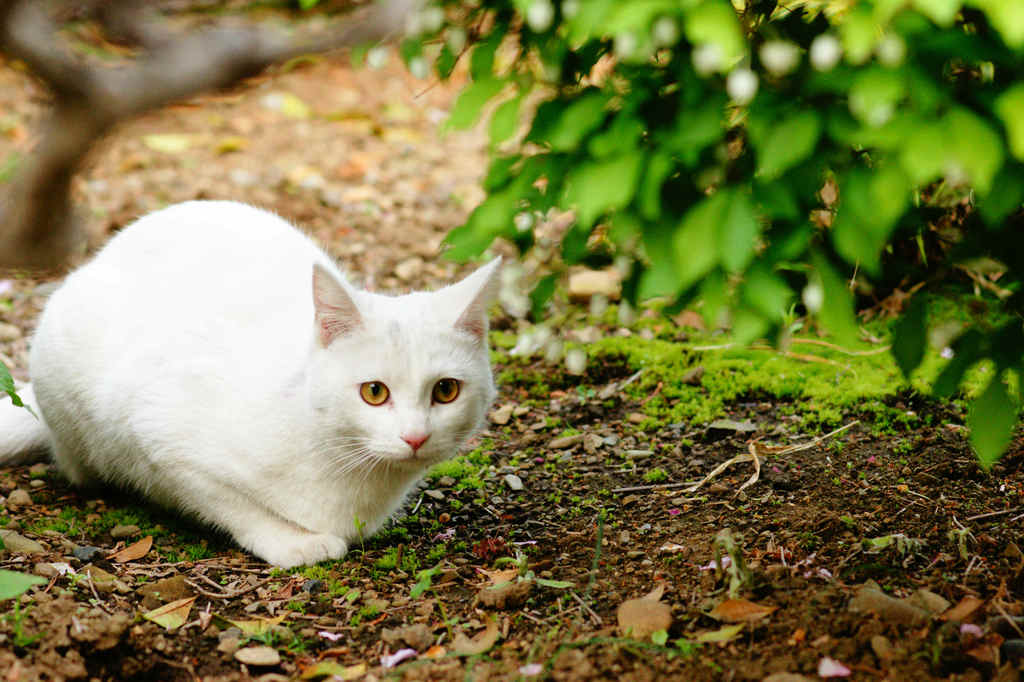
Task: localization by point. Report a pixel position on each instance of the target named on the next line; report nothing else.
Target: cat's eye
(374, 393)
(446, 390)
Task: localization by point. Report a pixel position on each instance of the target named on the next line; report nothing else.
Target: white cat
(214, 360)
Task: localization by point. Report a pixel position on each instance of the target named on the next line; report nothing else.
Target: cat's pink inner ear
(336, 313)
(482, 288)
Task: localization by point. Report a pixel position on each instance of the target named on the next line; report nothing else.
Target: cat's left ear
(336, 312)
(478, 290)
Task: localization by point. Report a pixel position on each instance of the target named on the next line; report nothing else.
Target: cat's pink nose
(416, 440)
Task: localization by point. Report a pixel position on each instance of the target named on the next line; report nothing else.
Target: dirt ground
(874, 553)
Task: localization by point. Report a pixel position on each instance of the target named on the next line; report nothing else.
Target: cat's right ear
(336, 313)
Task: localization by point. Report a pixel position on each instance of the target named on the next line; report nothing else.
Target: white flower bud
(377, 57)
(576, 361)
(570, 8)
(419, 68)
(891, 50)
(523, 221)
(625, 45)
(813, 295)
(707, 59)
(741, 85)
(539, 15)
(779, 56)
(825, 52)
(431, 19)
(665, 32)
(456, 39)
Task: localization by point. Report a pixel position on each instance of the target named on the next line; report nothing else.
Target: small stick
(228, 595)
(995, 513)
(656, 486)
(594, 616)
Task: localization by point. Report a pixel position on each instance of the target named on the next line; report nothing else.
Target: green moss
(656, 475)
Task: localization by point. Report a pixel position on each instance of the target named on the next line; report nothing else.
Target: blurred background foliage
(758, 162)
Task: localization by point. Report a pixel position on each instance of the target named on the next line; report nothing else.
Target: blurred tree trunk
(38, 224)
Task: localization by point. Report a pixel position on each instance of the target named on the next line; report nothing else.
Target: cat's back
(209, 280)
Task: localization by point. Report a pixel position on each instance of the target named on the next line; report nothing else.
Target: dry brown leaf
(134, 551)
(963, 609)
(173, 615)
(740, 611)
(499, 577)
(481, 643)
(639, 618)
(257, 626)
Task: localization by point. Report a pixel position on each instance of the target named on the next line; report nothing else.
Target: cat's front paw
(288, 551)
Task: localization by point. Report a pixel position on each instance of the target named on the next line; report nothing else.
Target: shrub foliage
(759, 158)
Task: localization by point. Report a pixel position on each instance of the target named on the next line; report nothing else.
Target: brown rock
(418, 636)
(892, 610)
(565, 441)
(18, 498)
(164, 591)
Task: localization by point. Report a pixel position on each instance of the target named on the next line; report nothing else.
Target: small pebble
(313, 586)
(87, 553)
(446, 482)
(118, 532)
(18, 498)
(436, 494)
(513, 482)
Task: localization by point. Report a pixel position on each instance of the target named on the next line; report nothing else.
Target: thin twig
(228, 595)
(596, 618)
(655, 486)
(990, 514)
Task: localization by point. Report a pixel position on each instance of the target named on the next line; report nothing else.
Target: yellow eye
(374, 393)
(446, 390)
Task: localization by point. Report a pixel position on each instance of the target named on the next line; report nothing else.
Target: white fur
(189, 362)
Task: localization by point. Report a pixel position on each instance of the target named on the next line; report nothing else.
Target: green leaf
(574, 244)
(766, 292)
(976, 146)
(1009, 106)
(424, 580)
(739, 231)
(869, 205)
(505, 121)
(7, 386)
(836, 312)
(1008, 19)
(578, 119)
(790, 143)
(696, 128)
(910, 336)
(481, 61)
(445, 62)
(471, 100)
(308, 4)
(659, 637)
(540, 296)
(589, 21)
(966, 351)
(715, 22)
(942, 12)
(649, 195)
(14, 584)
(1006, 196)
(859, 32)
(598, 186)
(694, 243)
(556, 584)
(722, 634)
(991, 418)
(875, 95)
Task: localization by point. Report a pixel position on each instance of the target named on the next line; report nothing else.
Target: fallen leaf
(963, 609)
(286, 103)
(258, 656)
(481, 643)
(257, 626)
(740, 611)
(232, 143)
(168, 143)
(337, 670)
(134, 551)
(173, 615)
(640, 618)
(501, 576)
(723, 634)
(436, 651)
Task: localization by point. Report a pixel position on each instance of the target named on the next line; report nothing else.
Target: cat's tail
(24, 437)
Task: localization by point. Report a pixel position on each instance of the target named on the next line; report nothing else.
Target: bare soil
(364, 169)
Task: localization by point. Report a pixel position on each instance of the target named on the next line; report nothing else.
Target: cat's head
(404, 380)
